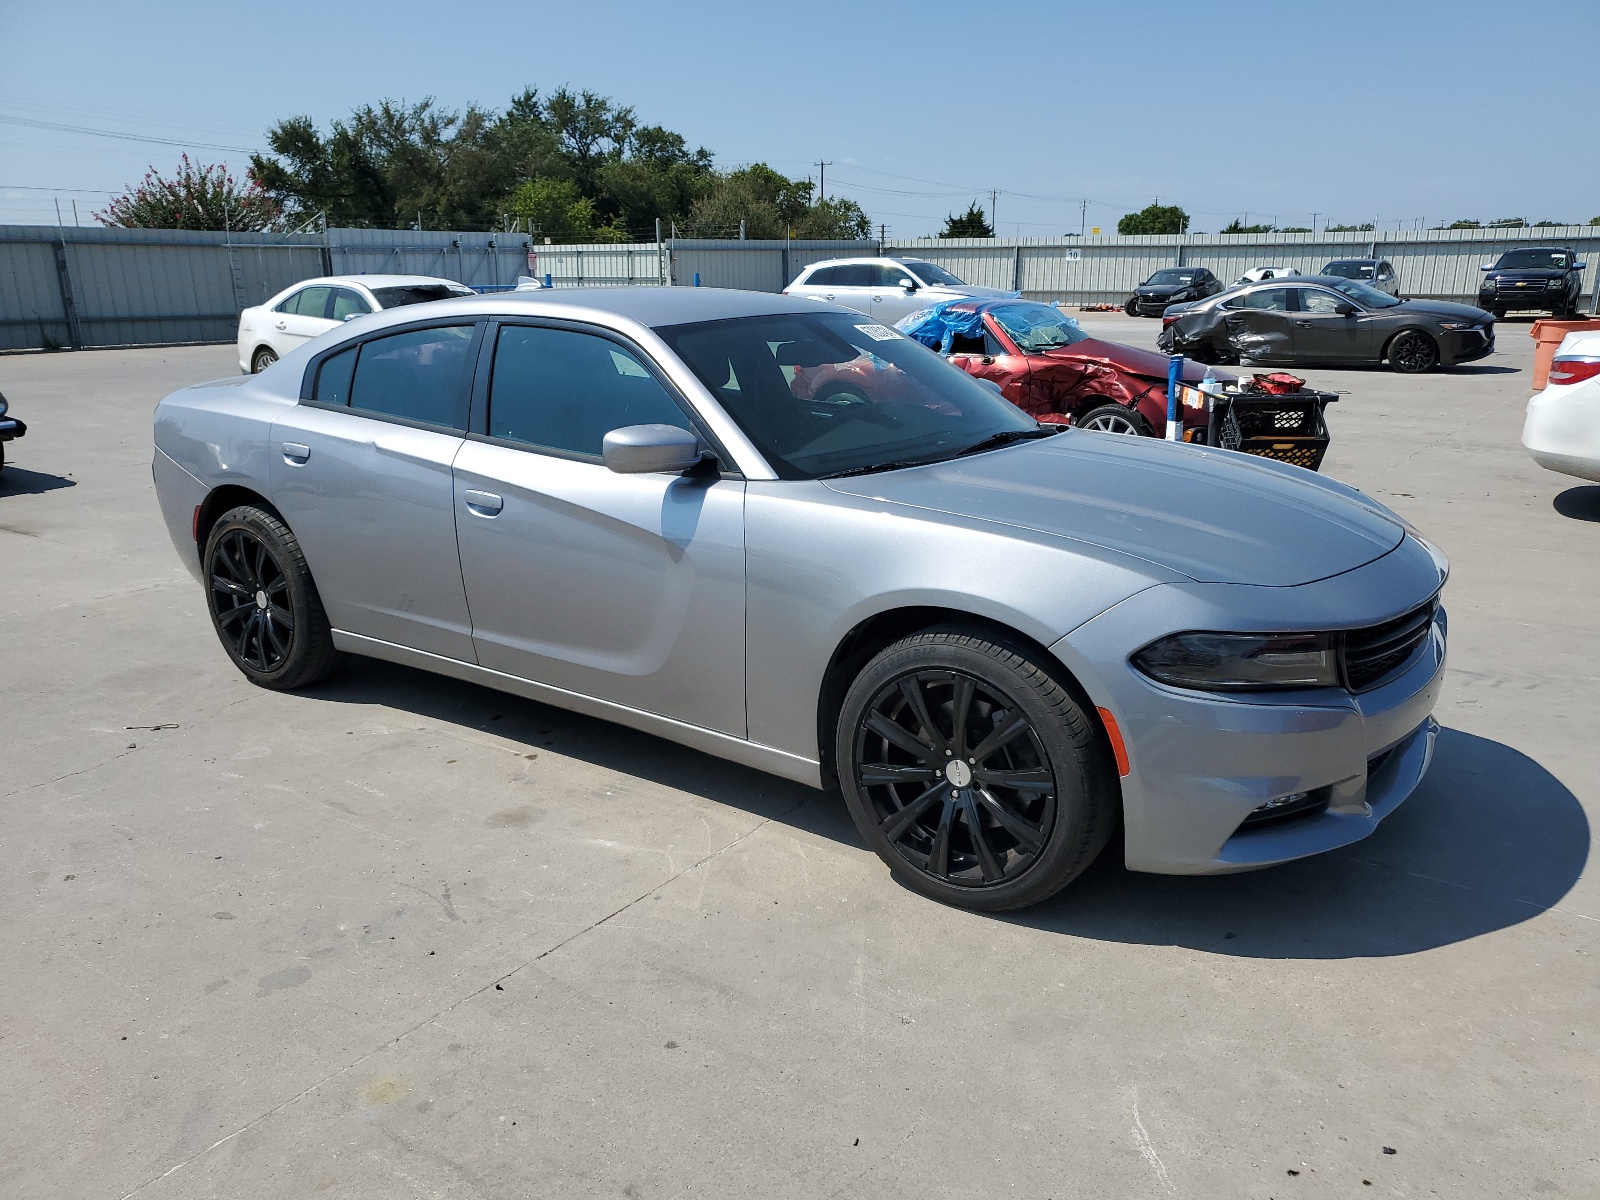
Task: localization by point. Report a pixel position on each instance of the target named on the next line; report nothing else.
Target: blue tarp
(938, 326)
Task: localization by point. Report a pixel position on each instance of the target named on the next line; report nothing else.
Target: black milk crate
(1290, 428)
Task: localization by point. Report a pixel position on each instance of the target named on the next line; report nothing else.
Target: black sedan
(1313, 320)
(1171, 285)
(10, 428)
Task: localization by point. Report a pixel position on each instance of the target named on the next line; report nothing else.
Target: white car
(1257, 274)
(299, 313)
(1562, 429)
(886, 289)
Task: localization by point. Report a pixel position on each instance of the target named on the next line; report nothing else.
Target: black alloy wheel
(1413, 352)
(263, 604)
(1131, 307)
(263, 359)
(972, 771)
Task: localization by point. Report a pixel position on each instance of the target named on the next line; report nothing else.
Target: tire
(262, 359)
(1031, 805)
(1413, 352)
(1131, 307)
(1499, 314)
(1114, 418)
(263, 602)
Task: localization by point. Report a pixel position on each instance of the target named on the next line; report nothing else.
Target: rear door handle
(296, 453)
(281, 325)
(484, 504)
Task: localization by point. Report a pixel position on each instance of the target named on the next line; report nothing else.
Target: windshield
(1037, 327)
(1172, 276)
(1360, 292)
(1544, 260)
(418, 293)
(824, 393)
(1349, 270)
(931, 274)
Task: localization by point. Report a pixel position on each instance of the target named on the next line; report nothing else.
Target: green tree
(974, 223)
(1155, 218)
(1463, 223)
(771, 205)
(1367, 228)
(1297, 229)
(196, 197)
(1509, 223)
(1235, 226)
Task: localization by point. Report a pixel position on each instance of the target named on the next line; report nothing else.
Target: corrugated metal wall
(108, 287)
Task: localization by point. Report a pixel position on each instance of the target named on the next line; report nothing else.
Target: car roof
(654, 307)
(375, 281)
(1332, 261)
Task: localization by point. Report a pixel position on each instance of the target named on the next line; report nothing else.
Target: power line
(59, 127)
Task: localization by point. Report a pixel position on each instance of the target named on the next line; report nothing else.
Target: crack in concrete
(455, 1004)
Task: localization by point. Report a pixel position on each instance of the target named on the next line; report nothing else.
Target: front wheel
(1131, 307)
(1413, 352)
(263, 359)
(972, 772)
(1113, 418)
(263, 602)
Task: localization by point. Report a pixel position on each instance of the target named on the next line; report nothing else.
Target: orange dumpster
(1547, 336)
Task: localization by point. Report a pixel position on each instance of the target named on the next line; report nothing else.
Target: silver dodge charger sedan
(784, 534)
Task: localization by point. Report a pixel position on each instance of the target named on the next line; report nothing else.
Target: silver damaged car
(784, 534)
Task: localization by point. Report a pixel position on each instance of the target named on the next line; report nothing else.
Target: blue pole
(1174, 373)
(547, 279)
(697, 279)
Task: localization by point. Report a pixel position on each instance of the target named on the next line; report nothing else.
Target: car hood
(967, 291)
(1215, 516)
(1132, 360)
(1525, 273)
(1440, 308)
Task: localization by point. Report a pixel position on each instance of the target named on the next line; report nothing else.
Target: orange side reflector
(1118, 748)
(194, 525)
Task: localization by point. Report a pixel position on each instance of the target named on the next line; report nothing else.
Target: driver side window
(891, 276)
(1318, 302)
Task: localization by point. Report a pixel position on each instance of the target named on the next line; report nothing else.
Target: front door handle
(296, 453)
(484, 504)
(281, 325)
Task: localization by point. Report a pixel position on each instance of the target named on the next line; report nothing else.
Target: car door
(347, 303)
(890, 301)
(983, 355)
(1257, 324)
(629, 588)
(1385, 280)
(1325, 334)
(361, 474)
(300, 317)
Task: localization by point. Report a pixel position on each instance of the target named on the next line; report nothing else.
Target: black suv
(1171, 285)
(1544, 278)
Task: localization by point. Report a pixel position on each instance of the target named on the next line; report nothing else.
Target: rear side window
(823, 276)
(1272, 299)
(419, 375)
(347, 303)
(564, 390)
(333, 378)
(856, 275)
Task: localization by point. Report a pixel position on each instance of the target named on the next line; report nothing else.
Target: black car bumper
(1465, 345)
(1154, 306)
(10, 428)
(1531, 299)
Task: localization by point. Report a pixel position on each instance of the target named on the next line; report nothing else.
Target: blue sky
(1351, 110)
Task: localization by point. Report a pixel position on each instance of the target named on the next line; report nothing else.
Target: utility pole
(1083, 216)
(1314, 217)
(994, 204)
(822, 180)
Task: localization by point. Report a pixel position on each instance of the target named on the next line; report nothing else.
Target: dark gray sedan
(1315, 320)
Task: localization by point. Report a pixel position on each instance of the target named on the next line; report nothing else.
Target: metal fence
(119, 287)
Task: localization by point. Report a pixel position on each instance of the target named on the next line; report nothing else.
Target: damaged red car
(1046, 364)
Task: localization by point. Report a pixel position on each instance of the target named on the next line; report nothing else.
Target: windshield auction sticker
(879, 333)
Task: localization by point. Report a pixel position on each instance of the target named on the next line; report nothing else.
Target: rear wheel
(263, 359)
(972, 772)
(1413, 352)
(263, 602)
(1113, 418)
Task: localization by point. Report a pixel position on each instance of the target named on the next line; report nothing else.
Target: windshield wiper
(873, 468)
(1011, 435)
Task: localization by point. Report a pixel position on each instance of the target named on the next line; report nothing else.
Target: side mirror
(646, 449)
(1346, 310)
(1579, 266)
(908, 285)
(1486, 267)
(351, 316)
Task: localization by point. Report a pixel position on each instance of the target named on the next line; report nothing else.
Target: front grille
(1372, 653)
(1520, 285)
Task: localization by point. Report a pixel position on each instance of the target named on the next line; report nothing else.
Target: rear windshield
(1543, 260)
(1349, 270)
(418, 293)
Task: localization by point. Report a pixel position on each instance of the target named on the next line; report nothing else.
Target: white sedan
(1562, 429)
(299, 313)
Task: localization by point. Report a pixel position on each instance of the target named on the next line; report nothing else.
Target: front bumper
(1154, 306)
(10, 428)
(1201, 763)
(1465, 345)
(1540, 299)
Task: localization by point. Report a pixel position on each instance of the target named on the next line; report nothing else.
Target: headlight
(3, 406)
(1458, 325)
(1555, 283)
(1241, 661)
(1488, 284)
